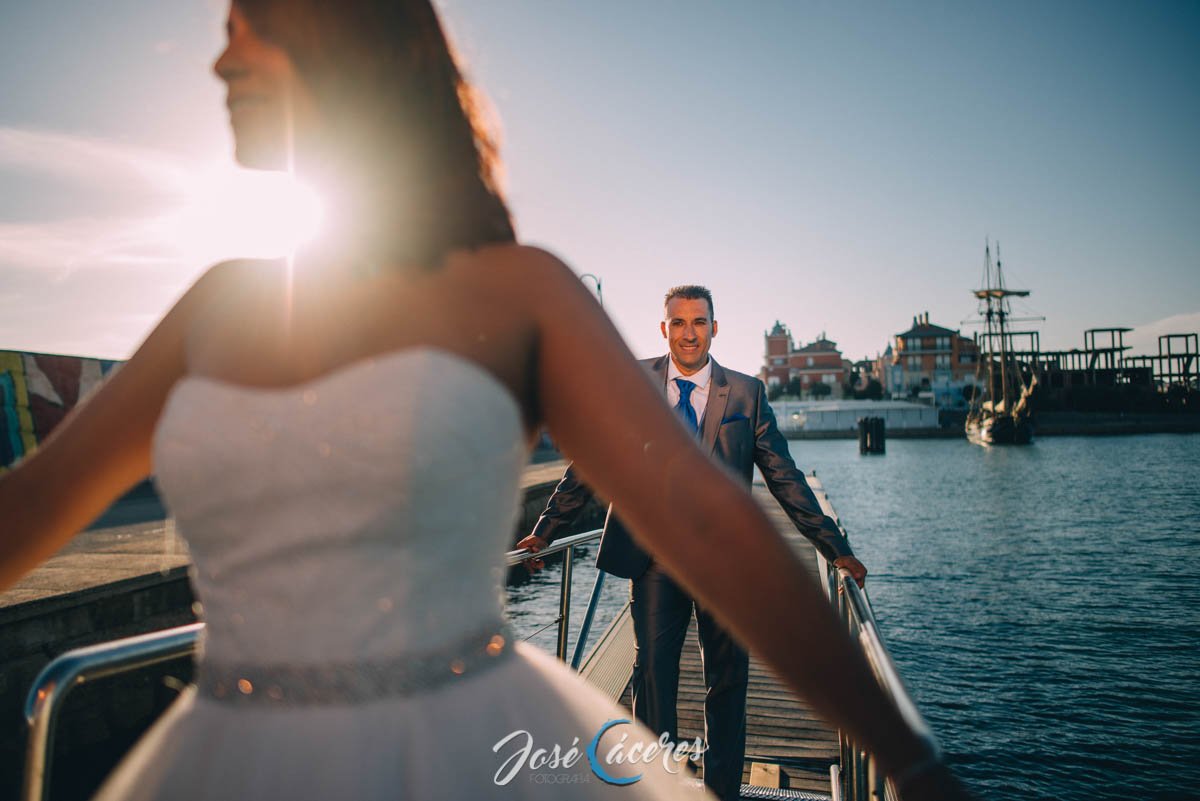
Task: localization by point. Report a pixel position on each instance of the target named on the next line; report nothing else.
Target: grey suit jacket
(739, 429)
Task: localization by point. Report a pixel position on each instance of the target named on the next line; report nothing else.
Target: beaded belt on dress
(355, 682)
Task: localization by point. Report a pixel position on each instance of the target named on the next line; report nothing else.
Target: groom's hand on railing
(532, 543)
(857, 569)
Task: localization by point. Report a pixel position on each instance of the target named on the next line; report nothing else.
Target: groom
(731, 417)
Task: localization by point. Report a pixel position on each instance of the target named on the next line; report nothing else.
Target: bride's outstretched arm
(99, 450)
(606, 415)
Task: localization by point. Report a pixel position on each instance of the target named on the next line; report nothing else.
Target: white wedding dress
(347, 536)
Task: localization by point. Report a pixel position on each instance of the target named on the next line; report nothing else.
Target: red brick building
(930, 358)
(819, 361)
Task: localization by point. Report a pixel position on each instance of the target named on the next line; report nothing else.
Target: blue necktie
(684, 407)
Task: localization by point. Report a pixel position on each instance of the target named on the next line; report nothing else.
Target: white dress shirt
(701, 379)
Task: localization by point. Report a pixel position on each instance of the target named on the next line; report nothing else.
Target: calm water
(1042, 603)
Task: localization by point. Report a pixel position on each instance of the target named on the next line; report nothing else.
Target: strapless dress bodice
(357, 517)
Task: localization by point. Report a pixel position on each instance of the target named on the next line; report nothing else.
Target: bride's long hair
(403, 135)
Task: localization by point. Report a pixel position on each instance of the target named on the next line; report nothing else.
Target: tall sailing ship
(1000, 414)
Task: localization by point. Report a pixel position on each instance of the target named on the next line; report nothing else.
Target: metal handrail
(566, 545)
(51, 686)
(861, 778)
(881, 660)
(561, 544)
(63, 673)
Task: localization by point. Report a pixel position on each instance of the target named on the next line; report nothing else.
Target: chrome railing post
(835, 784)
(875, 779)
(564, 603)
(586, 628)
(847, 767)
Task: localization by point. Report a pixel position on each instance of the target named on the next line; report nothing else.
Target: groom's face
(689, 329)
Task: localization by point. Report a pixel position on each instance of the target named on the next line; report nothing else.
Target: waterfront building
(864, 373)
(932, 363)
(843, 415)
(803, 369)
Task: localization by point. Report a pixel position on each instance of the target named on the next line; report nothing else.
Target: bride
(339, 437)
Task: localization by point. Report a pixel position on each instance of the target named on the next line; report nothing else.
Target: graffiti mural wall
(36, 392)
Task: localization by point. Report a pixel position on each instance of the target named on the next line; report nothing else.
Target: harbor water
(1042, 603)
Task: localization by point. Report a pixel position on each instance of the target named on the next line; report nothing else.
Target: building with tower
(804, 369)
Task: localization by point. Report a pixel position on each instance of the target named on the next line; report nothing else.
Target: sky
(837, 167)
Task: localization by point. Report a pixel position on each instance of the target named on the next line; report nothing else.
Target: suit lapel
(658, 367)
(714, 412)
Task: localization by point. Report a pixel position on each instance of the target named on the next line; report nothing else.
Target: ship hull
(1002, 430)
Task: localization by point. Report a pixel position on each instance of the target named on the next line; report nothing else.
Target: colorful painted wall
(36, 392)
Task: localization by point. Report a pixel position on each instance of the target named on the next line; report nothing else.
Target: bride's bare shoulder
(226, 296)
(228, 286)
(239, 275)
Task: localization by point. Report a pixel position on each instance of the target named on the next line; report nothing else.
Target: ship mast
(987, 283)
(996, 296)
(1001, 304)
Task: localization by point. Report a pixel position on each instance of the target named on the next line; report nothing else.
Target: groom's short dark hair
(691, 292)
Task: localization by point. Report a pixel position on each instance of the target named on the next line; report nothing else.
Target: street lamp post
(599, 286)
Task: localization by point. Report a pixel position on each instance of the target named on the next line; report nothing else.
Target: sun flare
(235, 213)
